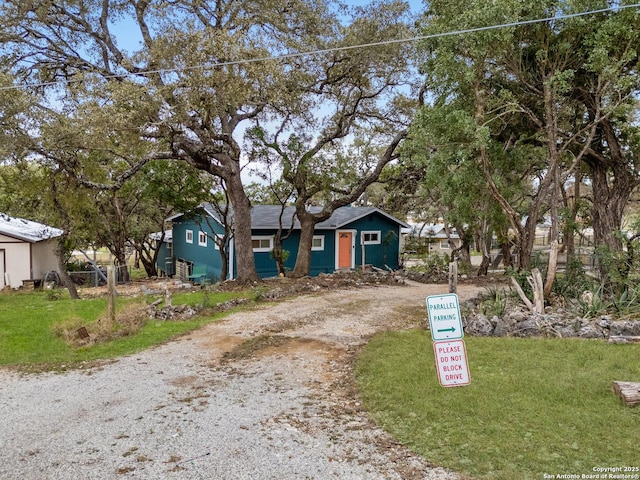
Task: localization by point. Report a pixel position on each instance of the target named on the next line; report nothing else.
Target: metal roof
(430, 230)
(26, 230)
(265, 217)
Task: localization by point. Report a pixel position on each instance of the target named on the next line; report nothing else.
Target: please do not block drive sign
(451, 362)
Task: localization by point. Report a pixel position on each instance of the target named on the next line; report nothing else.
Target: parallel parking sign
(444, 317)
(446, 331)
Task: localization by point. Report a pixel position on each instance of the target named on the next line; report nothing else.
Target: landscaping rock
(501, 329)
(591, 331)
(567, 332)
(519, 324)
(625, 327)
(480, 326)
(177, 312)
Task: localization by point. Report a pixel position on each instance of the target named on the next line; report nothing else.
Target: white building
(27, 251)
(433, 235)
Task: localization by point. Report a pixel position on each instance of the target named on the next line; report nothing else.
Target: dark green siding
(321, 261)
(194, 253)
(387, 252)
(165, 262)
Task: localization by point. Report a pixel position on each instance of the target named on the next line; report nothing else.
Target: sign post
(449, 349)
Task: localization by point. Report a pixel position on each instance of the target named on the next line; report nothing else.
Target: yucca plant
(593, 304)
(493, 302)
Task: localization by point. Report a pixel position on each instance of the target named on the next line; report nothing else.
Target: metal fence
(93, 278)
(86, 278)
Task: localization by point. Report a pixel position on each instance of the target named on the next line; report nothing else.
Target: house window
(371, 238)
(189, 237)
(262, 244)
(444, 245)
(216, 243)
(317, 243)
(202, 239)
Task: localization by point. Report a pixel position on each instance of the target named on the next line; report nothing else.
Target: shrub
(433, 265)
(493, 302)
(592, 304)
(574, 281)
(129, 320)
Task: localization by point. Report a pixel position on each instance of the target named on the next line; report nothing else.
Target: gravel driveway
(185, 410)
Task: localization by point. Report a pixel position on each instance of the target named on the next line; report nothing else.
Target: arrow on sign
(452, 329)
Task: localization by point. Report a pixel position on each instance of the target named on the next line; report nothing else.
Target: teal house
(351, 237)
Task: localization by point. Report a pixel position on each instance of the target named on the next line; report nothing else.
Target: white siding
(44, 258)
(26, 261)
(17, 259)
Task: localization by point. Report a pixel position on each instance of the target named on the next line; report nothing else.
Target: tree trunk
(569, 244)
(62, 240)
(303, 260)
(609, 202)
(505, 248)
(62, 267)
(118, 249)
(121, 265)
(224, 261)
(245, 261)
(453, 277)
(484, 245)
(147, 254)
(525, 240)
(463, 252)
(613, 179)
(278, 254)
(484, 265)
(551, 126)
(149, 265)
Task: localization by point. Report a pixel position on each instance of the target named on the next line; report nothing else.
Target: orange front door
(344, 249)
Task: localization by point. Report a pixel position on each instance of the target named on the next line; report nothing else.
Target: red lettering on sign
(455, 349)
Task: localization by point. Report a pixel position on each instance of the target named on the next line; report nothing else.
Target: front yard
(534, 406)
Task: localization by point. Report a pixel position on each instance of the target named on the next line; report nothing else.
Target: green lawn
(27, 320)
(533, 407)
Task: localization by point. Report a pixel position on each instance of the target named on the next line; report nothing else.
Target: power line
(339, 49)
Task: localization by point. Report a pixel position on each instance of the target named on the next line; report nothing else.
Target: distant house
(338, 243)
(27, 250)
(430, 237)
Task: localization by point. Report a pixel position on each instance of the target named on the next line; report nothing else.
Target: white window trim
(263, 237)
(445, 245)
(370, 232)
(202, 239)
(189, 236)
(321, 247)
(215, 243)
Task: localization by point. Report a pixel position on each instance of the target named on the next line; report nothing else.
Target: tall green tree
(515, 91)
(452, 182)
(354, 94)
(192, 80)
(124, 219)
(606, 86)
